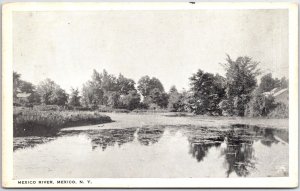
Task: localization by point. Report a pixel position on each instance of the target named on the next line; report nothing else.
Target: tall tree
(158, 97)
(240, 81)
(260, 105)
(16, 83)
(176, 100)
(59, 97)
(173, 89)
(207, 91)
(147, 84)
(125, 85)
(267, 83)
(153, 92)
(51, 93)
(21, 86)
(109, 82)
(74, 100)
(131, 100)
(92, 94)
(113, 99)
(105, 89)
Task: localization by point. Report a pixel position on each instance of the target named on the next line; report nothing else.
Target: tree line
(236, 94)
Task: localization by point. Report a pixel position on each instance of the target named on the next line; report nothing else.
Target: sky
(170, 45)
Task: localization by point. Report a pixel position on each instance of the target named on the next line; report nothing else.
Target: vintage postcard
(131, 95)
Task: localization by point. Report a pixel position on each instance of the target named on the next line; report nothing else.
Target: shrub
(130, 101)
(260, 106)
(227, 107)
(280, 111)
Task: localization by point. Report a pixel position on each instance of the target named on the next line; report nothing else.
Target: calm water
(154, 151)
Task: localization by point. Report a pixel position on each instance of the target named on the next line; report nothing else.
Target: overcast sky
(169, 45)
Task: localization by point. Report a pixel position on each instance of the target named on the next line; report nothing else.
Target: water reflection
(150, 135)
(110, 137)
(199, 150)
(234, 144)
(25, 142)
(239, 152)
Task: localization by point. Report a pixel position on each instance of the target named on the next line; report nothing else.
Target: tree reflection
(236, 142)
(32, 141)
(25, 142)
(239, 152)
(200, 150)
(150, 135)
(110, 137)
(201, 139)
(268, 137)
(240, 159)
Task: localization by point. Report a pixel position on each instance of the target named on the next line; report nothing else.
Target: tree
(45, 89)
(147, 84)
(16, 83)
(106, 90)
(284, 83)
(176, 100)
(92, 95)
(157, 97)
(92, 91)
(153, 92)
(207, 90)
(240, 82)
(260, 105)
(173, 89)
(74, 100)
(131, 100)
(51, 93)
(267, 83)
(188, 101)
(21, 86)
(59, 97)
(226, 107)
(109, 82)
(124, 85)
(27, 87)
(113, 99)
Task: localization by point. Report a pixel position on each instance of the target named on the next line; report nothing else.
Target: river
(158, 146)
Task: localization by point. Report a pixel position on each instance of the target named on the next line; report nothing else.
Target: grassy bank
(36, 122)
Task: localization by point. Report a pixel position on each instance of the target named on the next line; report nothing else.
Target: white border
(7, 110)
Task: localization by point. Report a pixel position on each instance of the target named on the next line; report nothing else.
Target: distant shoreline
(128, 120)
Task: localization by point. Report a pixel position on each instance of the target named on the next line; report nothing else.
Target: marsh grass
(35, 122)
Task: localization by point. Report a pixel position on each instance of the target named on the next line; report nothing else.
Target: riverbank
(30, 122)
(127, 120)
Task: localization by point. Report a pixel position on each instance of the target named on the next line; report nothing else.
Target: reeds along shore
(31, 122)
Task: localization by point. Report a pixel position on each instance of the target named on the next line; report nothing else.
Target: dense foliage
(51, 93)
(208, 90)
(240, 82)
(236, 94)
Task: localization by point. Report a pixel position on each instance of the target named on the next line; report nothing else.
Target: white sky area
(171, 45)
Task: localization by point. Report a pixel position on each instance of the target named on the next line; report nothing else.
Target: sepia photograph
(150, 95)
